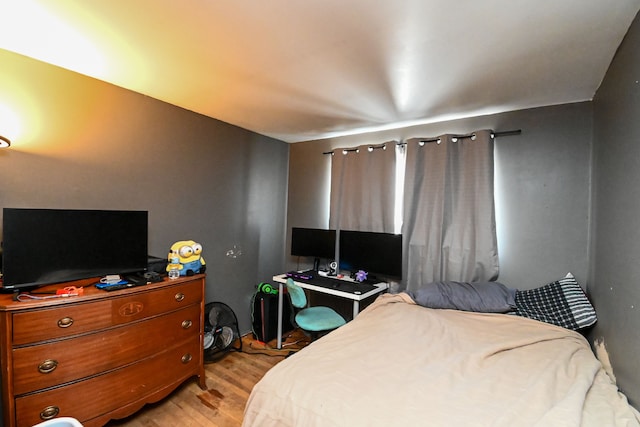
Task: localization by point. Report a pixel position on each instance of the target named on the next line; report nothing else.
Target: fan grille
(221, 331)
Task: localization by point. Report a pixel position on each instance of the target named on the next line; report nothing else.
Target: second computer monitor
(376, 253)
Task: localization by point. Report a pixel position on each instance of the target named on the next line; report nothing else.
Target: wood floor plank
(229, 383)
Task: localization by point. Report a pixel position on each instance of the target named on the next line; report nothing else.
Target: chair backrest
(296, 293)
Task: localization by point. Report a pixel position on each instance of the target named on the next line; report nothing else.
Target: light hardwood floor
(229, 383)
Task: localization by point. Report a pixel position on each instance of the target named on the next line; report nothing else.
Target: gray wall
(616, 254)
(542, 188)
(87, 144)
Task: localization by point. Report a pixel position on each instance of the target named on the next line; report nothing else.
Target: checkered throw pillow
(562, 303)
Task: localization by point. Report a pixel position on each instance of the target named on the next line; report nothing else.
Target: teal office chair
(315, 320)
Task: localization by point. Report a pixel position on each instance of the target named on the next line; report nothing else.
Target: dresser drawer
(102, 394)
(74, 319)
(45, 365)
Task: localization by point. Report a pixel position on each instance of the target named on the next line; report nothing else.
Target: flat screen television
(44, 246)
(379, 254)
(313, 242)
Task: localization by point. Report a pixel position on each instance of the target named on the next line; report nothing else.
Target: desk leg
(280, 297)
(356, 308)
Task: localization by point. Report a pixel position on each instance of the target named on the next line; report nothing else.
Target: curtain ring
(473, 136)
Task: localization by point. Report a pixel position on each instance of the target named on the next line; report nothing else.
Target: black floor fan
(221, 333)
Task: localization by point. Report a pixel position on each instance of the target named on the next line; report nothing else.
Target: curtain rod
(508, 132)
(370, 148)
(470, 135)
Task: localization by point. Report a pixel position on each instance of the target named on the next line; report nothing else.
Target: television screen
(375, 253)
(43, 246)
(313, 242)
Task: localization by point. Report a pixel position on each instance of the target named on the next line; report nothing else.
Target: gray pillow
(484, 297)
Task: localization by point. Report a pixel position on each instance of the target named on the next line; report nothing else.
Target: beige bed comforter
(400, 364)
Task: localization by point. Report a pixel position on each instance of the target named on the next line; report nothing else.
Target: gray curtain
(449, 230)
(363, 188)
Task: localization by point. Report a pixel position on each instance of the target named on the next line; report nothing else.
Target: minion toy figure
(185, 256)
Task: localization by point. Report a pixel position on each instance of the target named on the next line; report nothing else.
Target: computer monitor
(313, 242)
(379, 254)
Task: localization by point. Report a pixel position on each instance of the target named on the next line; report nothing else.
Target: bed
(404, 363)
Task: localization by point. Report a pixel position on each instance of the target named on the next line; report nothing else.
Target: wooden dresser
(102, 355)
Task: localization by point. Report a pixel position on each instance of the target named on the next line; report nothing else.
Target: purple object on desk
(361, 276)
(297, 275)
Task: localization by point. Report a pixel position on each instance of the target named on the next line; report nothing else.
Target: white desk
(282, 280)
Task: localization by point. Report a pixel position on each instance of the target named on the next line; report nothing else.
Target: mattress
(399, 363)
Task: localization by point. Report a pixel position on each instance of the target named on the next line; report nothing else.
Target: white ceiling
(302, 70)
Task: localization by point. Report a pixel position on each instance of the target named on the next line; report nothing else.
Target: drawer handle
(65, 322)
(49, 412)
(179, 296)
(186, 358)
(48, 366)
(186, 324)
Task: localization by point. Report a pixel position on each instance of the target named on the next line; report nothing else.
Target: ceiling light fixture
(4, 142)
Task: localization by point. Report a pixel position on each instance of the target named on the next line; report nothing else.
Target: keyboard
(313, 278)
